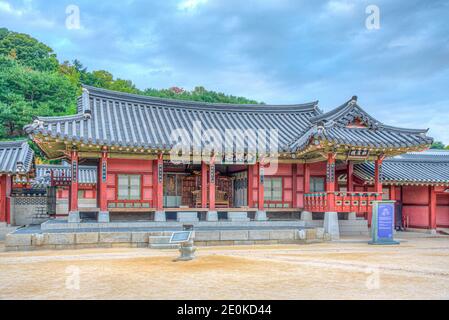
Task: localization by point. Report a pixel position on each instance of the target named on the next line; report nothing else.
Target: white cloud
(339, 6)
(188, 5)
(7, 8)
(26, 13)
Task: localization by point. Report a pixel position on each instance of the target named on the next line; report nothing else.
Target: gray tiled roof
(87, 174)
(428, 167)
(127, 120)
(334, 127)
(13, 153)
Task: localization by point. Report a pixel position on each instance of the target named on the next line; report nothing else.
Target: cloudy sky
(275, 51)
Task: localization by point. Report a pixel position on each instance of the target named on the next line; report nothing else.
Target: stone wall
(142, 239)
(23, 208)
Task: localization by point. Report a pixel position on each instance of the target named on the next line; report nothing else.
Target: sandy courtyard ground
(416, 269)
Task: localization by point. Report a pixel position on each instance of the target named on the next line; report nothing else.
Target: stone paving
(415, 269)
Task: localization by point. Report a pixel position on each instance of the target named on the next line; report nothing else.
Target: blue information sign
(382, 223)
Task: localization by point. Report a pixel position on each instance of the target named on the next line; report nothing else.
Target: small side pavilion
(16, 161)
(238, 161)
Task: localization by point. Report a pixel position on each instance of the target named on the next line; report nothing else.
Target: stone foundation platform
(35, 239)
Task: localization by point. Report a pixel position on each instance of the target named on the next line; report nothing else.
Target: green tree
(437, 145)
(27, 51)
(25, 93)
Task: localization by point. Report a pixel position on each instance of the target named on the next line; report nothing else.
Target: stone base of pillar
(432, 231)
(159, 216)
(352, 216)
(187, 216)
(238, 216)
(103, 217)
(306, 216)
(212, 216)
(261, 216)
(331, 225)
(74, 217)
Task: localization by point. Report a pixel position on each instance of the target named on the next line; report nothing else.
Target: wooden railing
(315, 202)
(340, 201)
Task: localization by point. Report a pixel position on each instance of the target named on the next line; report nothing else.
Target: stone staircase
(40, 216)
(4, 230)
(161, 242)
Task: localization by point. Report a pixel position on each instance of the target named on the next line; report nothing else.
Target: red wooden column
(377, 177)
(8, 188)
(102, 181)
(203, 185)
(250, 181)
(393, 192)
(212, 184)
(294, 185)
(5, 191)
(350, 173)
(260, 187)
(73, 192)
(158, 191)
(306, 178)
(330, 182)
(377, 184)
(432, 210)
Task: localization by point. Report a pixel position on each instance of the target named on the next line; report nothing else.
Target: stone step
(164, 246)
(159, 239)
(161, 242)
(5, 230)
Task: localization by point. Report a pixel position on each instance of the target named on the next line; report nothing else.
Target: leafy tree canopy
(34, 83)
(438, 145)
(27, 50)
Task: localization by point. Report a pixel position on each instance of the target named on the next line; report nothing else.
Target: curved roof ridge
(11, 143)
(407, 130)
(200, 105)
(77, 116)
(336, 112)
(345, 108)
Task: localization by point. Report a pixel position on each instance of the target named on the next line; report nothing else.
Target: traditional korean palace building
(239, 162)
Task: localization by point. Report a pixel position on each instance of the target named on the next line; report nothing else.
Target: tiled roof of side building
(428, 167)
(86, 174)
(15, 157)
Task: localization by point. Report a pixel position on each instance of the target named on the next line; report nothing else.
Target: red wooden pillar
(8, 187)
(393, 192)
(158, 186)
(350, 173)
(377, 178)
(203, 185)
(330, 182)
(2, 198)
(212, 184)
(294, 185)
(432, 209)
(102, 197)
(260, 187)
(306, 178)
(377, 184)
(73, 192)
(250, 177)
